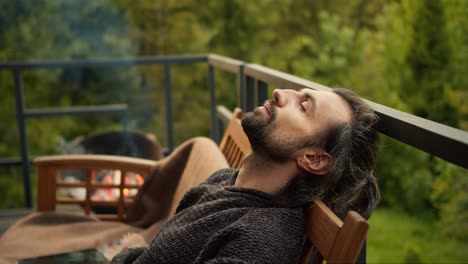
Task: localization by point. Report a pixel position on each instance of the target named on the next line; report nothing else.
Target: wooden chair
(328, 238)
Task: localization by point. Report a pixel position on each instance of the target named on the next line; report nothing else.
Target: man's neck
(265, 175)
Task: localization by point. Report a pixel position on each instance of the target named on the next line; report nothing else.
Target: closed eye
(308, 102)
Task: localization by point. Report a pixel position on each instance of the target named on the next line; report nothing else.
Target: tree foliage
(428, 59)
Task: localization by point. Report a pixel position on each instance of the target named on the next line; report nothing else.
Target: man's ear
(316, 162)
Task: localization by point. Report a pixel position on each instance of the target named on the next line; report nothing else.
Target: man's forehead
(312, 91)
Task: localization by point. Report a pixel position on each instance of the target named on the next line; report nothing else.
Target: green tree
(457, 31)
(428, 59)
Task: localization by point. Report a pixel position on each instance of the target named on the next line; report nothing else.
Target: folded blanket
(41, 234)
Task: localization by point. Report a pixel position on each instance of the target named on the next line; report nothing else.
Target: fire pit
(122, 143)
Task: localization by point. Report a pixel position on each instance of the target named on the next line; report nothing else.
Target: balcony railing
(252, 89)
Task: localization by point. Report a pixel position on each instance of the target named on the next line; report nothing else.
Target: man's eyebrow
(310, 98)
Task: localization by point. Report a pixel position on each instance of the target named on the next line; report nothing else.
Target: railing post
(23, 138)
(212, 87)
(249, 94)
(241, 89)
(128, 138)
(220, 129)
(169, 115)
(261, 92)
(124, 120)
(361, 259)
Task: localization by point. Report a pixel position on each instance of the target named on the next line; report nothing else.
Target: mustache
(273, 105)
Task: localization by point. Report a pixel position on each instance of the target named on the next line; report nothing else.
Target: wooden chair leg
(47, 185)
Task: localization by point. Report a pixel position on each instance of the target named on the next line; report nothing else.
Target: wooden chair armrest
(49, 166)
(95, 162)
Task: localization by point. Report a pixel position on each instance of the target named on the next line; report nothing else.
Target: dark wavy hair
(350, 184)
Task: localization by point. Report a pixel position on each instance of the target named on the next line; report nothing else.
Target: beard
(260, 130)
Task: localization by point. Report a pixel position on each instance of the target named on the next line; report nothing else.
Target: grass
(396, 237)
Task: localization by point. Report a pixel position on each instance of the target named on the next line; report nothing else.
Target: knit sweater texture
(217, 222)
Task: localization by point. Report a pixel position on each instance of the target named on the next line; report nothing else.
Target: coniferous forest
(411, 55)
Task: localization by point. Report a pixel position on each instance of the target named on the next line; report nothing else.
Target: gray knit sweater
(217, 222)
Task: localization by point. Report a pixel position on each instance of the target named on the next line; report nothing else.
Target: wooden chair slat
(324, 227)
(47, 184)
(88, 192)
(235, 156)
(336, 241)
(121, 206)
(227, 147)
(239, 160)
(350, 239)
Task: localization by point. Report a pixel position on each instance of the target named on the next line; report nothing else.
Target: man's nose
(281, 96)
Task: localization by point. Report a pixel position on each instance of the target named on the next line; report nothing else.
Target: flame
(139, 179)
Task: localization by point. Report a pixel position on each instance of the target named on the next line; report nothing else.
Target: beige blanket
(41, 234)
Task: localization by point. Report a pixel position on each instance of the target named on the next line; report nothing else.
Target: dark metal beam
(437, 139)
(241, 89)
(12, 161)
(212, 89)
(249, 93)
(19, 93)
(261, 93)
(76, 110)
(103, 62)
(169, 115)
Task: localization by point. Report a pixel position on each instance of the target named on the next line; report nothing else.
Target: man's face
(291, 120)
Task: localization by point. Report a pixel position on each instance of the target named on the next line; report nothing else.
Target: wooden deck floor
(10, 216)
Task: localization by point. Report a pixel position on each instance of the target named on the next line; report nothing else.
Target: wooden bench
(328, 238)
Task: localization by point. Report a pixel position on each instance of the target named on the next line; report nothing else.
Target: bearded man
(306, 145)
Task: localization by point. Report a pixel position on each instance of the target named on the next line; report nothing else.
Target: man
(306, 145)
